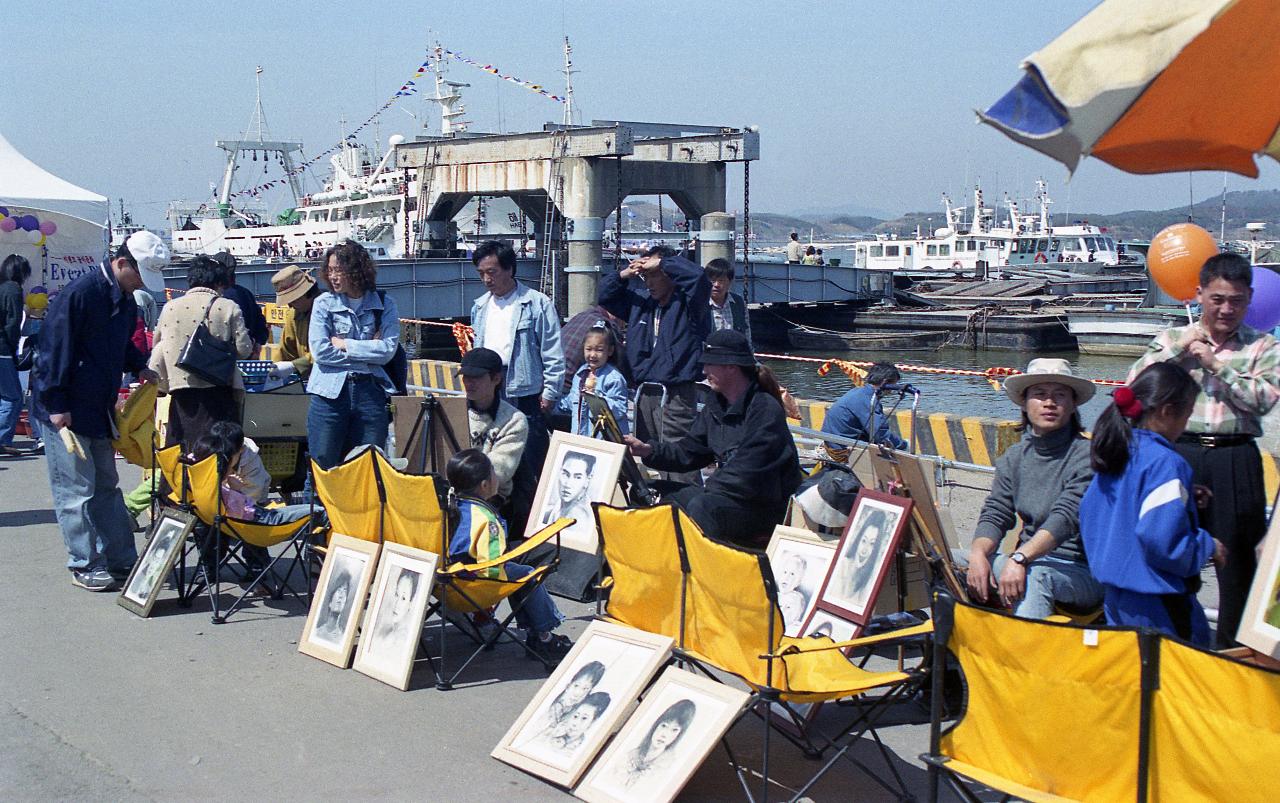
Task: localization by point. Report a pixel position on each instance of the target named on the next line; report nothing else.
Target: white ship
(976, 240)
(362, 199)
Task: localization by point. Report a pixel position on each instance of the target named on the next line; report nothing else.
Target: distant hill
(1245, 206)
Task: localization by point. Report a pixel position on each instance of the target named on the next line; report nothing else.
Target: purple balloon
(8, 224)
(29, 222)
(48, 227)
(4, 210)
(1264, 308)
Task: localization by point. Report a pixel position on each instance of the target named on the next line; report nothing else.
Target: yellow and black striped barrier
(439, 374)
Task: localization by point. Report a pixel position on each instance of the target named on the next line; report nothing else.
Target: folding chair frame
(763, 698)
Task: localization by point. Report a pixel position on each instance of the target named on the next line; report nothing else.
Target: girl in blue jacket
(598, 374)
(1138, 518)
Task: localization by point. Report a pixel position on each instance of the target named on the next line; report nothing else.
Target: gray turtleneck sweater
(1040, 480)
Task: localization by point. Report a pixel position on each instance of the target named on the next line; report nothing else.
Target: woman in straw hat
(1039, 480)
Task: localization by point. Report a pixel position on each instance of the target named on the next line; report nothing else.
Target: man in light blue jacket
(522, 326)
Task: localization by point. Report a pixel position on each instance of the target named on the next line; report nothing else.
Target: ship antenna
(568, 83)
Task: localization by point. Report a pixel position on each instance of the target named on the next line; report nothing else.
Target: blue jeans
(10, 400)
(1050, 579)
(539, 613)
(98, 531)
(272, 516)
(358, 416)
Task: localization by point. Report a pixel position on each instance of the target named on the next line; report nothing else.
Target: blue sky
(860, 104)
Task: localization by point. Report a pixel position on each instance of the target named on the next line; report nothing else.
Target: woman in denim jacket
(349, 385)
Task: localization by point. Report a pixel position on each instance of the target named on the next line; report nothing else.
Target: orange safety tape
(992, 374)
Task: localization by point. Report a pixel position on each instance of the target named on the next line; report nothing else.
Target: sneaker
(38, 448)
(96, 580)
(551, 650)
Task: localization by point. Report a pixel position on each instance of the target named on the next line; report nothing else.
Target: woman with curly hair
(354, 333)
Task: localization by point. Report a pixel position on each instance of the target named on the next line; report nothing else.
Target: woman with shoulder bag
(197, 339)
(354, 336)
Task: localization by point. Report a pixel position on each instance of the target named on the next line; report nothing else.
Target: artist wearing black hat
(743, 429)
(499, 430)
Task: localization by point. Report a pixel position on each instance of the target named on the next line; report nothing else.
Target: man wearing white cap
(85, 348)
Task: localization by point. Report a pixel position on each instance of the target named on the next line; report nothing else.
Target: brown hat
(291, 284)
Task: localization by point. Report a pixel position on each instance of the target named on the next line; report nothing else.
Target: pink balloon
(48, 227)
(8, 224)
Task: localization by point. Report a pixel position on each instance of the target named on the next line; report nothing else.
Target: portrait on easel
(578, 471)
(607, 426)
(864, 555)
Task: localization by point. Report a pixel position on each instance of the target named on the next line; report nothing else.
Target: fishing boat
(1120, 332)
(812, 339)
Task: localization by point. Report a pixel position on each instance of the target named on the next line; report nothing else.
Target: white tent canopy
(81, 216)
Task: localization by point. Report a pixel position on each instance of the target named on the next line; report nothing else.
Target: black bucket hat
(727, 347)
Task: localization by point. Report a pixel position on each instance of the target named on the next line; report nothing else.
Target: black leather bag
(398, 367)
(208, 357)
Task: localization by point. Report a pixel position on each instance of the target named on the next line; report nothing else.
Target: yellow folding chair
(366, 497)
(720, 605)
(197, 488)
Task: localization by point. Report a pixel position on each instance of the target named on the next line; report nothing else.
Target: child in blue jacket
(598, 374)
(1138, 519)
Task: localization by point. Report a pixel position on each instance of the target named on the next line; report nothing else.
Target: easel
(605, 427)
(435, 442)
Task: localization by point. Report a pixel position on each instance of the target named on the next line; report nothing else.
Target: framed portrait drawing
(1260, 623)
(168, 533)
(583, 702)
(330, 630)
(393, 621)
(800, 560)
(864, 555)
(664, 741)
(578, 471)
(820, 624)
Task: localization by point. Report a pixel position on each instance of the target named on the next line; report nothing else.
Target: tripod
(436, 441)
(605, 426)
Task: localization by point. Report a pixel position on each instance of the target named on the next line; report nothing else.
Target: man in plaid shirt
(1238, 370)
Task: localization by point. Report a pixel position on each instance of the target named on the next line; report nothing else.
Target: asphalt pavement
(97, 702)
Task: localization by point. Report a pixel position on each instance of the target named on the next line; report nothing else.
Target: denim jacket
(366, 353)
(537, 361)
(610, 385)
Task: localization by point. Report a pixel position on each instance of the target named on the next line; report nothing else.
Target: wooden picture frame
(1260, 622)
(865, 554)
(413, 426)
(800, 561)
(330, 631)
(392, 627)
(908, 471)
(598, 680)
(665, 741)
(169, 534)
(577, 472)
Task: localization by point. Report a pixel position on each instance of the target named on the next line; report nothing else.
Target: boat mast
(1042, 195)
(235, 147)
(447, 95)
(568, 83)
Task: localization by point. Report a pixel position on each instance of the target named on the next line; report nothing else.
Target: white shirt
(794, 251)
(500, 325)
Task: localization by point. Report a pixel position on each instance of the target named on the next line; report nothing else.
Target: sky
(862, 106)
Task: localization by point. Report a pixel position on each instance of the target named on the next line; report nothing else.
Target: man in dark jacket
(254, 320)
(85, 348)
(727, 309)
(743, 429)
(665, 330)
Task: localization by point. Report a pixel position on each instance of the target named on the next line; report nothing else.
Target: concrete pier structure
(584, 174)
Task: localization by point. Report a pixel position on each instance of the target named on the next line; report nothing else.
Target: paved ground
(95, 702)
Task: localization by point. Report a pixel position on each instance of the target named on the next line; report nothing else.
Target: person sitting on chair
(480, 534)
(852, 414)
(499, 430)
(742, 428)
(1039, 480)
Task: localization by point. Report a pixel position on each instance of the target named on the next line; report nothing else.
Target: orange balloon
(1176, 256)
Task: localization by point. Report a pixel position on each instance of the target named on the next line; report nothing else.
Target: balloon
(48, 227)
(29, 222)
(43, 239)
(4, 211)
(8, 224)
(37, 301)
(1176, 256)
(34, 236)
(1264, 308)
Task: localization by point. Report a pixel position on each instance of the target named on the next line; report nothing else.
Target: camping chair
(366, 497)
(200, 493)
(720, 604)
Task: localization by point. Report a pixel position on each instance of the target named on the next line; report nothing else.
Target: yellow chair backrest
(204, 490)
(349, 492)
(729, 610)
(1215, 731)
(136, 422)
(169, 461)
(1046, 708)
(412, 515)
(642, 549)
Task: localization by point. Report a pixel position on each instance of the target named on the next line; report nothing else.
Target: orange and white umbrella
(1154, 86)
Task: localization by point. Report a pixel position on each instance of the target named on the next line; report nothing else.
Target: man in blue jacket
(666, 327)
(852, 414)
(85, 348)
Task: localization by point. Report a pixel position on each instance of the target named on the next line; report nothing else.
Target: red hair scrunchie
(1127, 404)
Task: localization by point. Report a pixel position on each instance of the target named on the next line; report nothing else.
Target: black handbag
(208, 357)
(397, 367)
(26, 359)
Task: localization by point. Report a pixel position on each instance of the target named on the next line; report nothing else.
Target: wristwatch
(1018, 558)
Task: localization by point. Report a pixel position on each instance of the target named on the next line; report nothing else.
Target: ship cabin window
(972, 246)
(1055, 245)
(944, 250)
(891, 250)
(932, 251)
(877, 250)
(907, 250)
(1090, 244)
